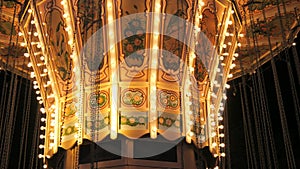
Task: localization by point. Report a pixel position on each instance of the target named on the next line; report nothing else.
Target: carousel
(131, 83)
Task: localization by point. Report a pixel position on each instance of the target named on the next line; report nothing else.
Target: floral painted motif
(168, 99)
(69, 130)
(133, 121)
(168, 122)
(200, 71)
(70, 109)
(98, 99)
(133, 45)
(172, 41)
(59, 44)
(98, 124)
(133, 97)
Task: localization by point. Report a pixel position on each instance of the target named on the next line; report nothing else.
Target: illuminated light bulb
(232, 65)
(191, 134)
(213, 123)
(222, 135)
(233, 59)
(35, 87)
(42, 128)
(29, 10)
(37, 92)
(222, 145)
(157, 5)
(213, 134)
(39, 98)
(227, 34)
(110, 19)
(192, 69)
(227, 86)
(65, 15)
(32, 22)
(45, 70)
(216, 167)
(43, 119)
(236, 54)
(41, 156)
(45, 166)
(41, 146)
(232, 11)
(226, 54)
(229, 43)
(29, 33)
(221, 57)
(229, 22)
(202, 3)
(39, 45)
(294, 44)
(239, 44)
(224, 46)
(20, 33)
(213, 144)
(62, 2)
(215, 155)
(230, 76)
(193, 55)
(67, 28)
(41, 102)
(221, 108)
(42, 136)
(241, 35)
(29, 64)
(70, 42)
(42, 110)
(223, 154)
(109, 4)
(23, 44)
(42, 58)
(26, 55)
(221, 127)
(220, 118)
(35, 34)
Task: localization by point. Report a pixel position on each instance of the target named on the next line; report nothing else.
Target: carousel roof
(253, 52)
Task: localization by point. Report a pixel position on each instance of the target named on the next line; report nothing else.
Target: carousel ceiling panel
(12, 48)
(250, 54)
(261, 19)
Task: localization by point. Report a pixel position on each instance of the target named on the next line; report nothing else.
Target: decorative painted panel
(133, 59)
(169, 125)
(98, 99)
(68, 124)
(58, 42)
(96, 116)
(168, 99)
(133, 124)
(133, 120)
(133, 97)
